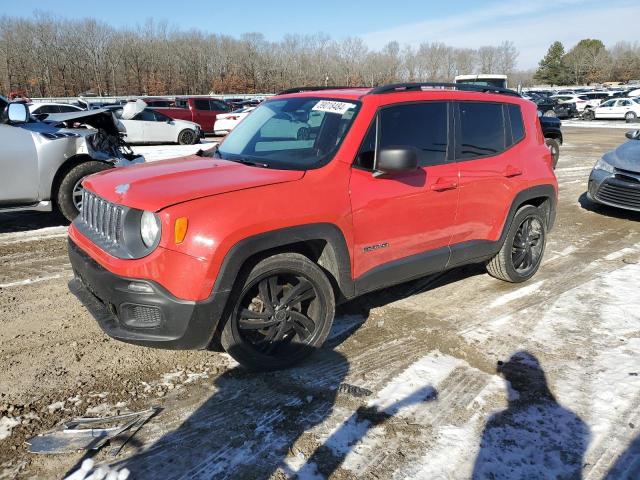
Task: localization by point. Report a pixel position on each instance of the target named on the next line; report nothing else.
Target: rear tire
(554, 147)
(187, 137)
(282, 312)
(522, 251)
(64, 197)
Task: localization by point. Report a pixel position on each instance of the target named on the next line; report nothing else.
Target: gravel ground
(409, 385)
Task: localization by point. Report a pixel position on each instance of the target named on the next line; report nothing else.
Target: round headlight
(149, 228)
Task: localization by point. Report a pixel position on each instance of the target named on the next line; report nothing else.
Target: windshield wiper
(251, 163)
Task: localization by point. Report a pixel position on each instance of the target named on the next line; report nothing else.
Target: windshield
(293, 134)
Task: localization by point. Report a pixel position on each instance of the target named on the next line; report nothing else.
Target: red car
(201, 110)
(316, 197)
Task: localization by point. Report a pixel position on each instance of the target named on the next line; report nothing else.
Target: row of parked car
(588, 104)
(182, 120)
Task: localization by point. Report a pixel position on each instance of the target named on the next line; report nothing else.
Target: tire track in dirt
(41, 259)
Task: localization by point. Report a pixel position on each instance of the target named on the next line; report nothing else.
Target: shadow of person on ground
(328, 457)
(535, 437)
(247, 427)
(627, 466)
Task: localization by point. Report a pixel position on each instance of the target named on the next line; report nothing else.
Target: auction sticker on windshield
(333, 107)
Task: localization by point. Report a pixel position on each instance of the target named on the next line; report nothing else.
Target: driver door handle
(442, 185)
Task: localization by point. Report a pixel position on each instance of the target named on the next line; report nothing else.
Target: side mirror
(169, 121)
(633, 134)
(396, 159)
(17, 113)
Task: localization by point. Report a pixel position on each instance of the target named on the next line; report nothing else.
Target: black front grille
(620, 193)
(102, 218)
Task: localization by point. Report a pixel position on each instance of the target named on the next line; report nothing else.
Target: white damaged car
(141, 124)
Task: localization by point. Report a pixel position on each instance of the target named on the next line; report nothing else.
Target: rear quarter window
(482, 130)
(516, 123)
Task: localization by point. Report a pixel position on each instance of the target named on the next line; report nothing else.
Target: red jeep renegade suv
(318, 196)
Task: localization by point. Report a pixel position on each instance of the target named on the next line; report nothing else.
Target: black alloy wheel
(521, 253)
(187, 137)
(527, 247)
(277, 313)
(283, 313)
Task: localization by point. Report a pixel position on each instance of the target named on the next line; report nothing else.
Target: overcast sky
(531, 25)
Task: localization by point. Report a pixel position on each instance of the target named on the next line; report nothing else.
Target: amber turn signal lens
(180, 229)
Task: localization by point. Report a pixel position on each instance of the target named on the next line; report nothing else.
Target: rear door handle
(511, 171)
(441, 186)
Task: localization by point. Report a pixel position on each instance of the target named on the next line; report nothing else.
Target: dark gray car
(43, 163)
(615, 178)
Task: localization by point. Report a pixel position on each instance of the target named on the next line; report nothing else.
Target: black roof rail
(405, 87)
(311, 89)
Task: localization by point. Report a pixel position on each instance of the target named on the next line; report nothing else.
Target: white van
(491, 80)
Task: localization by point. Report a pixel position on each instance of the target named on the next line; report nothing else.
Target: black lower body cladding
(154, 319)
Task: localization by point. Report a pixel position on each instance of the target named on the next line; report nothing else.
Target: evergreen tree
(551, 69)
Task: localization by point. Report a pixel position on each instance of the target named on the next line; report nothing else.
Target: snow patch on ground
(32, 235)
(600, 382)
(623, 252)
(29, 281)
(600, 124)
(564, 253)
(516, 294)
(6, 425)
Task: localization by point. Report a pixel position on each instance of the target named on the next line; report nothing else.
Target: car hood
(154, 186)
(98, 119)
(625, 157)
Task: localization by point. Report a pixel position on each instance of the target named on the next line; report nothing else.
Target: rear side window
(217, 105)
(201, 104)
(420, 125)
(146, 116)
(515, 120)
(64, 109)
(482, 130)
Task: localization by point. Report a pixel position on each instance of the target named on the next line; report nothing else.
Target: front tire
(630, 117)
(282, 313)
(521, 254)
(187, 137)
(69, 195)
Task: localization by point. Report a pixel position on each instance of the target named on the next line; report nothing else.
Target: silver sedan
(615, 178)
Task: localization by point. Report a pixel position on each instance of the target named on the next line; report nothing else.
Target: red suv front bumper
(155, 318)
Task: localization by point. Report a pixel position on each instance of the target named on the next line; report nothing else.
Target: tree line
(47, 56)
(589, 61)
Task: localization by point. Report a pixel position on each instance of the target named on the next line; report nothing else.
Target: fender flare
(236, 258)
(546, 191)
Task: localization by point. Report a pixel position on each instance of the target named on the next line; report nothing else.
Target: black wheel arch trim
(236, 258)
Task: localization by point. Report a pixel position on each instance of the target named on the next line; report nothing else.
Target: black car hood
(625, 157)
(98, 119)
